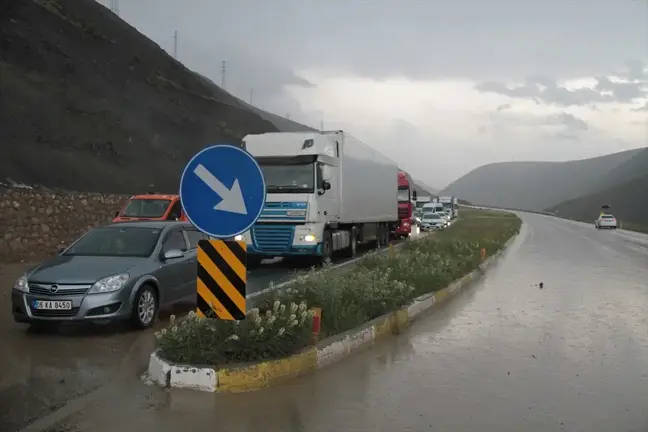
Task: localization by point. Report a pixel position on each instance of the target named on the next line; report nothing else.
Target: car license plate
(52, 305)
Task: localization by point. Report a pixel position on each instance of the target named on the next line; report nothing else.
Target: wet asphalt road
(41, 373)
(505, 355)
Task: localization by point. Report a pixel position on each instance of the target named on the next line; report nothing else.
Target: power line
(223, 72)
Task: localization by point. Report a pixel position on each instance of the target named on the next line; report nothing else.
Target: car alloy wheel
(145, 307)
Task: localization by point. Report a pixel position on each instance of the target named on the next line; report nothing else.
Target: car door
(171, 273)
(190, 273)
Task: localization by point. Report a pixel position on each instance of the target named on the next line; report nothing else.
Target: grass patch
(378, 284)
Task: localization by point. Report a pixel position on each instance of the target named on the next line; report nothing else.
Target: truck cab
(151, 207)
(405, 206)
(325, 193)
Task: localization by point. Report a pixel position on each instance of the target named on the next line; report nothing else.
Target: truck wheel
(352, 250)
(327, 246)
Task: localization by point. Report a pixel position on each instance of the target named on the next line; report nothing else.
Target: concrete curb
(242, 378)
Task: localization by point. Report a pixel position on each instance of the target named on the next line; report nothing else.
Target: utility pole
(322, 124)
(175, 44)
(223, 72)
(251, 95)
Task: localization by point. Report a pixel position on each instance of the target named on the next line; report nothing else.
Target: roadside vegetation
(378, 284)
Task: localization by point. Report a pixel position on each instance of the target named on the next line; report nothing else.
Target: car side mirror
(172, 254)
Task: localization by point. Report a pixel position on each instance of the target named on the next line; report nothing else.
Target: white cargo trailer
(326, 192)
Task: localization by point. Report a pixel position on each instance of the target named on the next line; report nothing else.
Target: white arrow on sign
(231, 198)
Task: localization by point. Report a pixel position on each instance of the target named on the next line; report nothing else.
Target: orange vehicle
(151, 207)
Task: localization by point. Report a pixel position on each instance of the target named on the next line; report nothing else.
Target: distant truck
(405, 206)
(326, 193)
(151, 207)
(421, 201)
(449, 205)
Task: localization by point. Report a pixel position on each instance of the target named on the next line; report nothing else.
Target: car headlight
(22, 284)
(110, 284)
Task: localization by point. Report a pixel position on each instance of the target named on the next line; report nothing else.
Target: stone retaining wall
(34, 224)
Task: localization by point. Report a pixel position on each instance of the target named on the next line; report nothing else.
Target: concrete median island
(322, 318)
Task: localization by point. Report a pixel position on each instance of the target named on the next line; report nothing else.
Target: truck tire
(327, 246)
(352, 250)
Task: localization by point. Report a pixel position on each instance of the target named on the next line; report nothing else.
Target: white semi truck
(326, 193)
(449, 205)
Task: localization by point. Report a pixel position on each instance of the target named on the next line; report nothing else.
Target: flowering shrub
(279, 331)
(378, 284)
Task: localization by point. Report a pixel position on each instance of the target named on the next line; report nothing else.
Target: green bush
(277, 332)
(378, 284)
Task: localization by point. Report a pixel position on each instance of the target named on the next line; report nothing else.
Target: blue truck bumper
(276, 240)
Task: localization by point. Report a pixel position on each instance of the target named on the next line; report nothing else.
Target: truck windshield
(403, 194)
(146, 208)
(296, 177)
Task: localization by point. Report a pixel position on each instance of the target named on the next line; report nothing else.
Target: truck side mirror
(326, 185)
(414, 194)
(116, 213)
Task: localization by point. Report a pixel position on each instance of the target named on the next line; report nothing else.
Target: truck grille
(272, 238)
(403, 213)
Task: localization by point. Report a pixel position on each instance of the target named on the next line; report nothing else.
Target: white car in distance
(432, 221)
(606, 221)
(445, 217)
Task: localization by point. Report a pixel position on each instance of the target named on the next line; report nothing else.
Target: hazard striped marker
(222, 279)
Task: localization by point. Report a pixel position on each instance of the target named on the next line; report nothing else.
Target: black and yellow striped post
(222, 279)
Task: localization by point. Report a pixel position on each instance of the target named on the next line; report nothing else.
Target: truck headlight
(309, 238)
(238, 237)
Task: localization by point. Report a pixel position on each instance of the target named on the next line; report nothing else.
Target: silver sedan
(122, 271)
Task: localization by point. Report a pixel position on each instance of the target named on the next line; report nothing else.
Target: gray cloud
(503, 107)
(569, 121)
(546, 90)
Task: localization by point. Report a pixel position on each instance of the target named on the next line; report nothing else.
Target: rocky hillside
(89, 103)
(539, 185)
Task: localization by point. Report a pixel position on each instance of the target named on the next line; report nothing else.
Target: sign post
(222, 191)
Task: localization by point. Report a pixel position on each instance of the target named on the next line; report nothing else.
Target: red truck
(405, 205)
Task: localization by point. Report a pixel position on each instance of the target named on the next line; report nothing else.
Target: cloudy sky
(442, 87)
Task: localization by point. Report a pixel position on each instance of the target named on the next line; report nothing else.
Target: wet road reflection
(42, 372)
(503, 356)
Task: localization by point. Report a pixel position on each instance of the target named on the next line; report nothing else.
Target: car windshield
(146, 208)
(116, 241)
(431, 216)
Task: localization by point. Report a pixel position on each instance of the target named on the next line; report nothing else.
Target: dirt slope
(88, 103)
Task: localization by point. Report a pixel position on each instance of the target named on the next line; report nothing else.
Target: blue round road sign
(222, 191)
